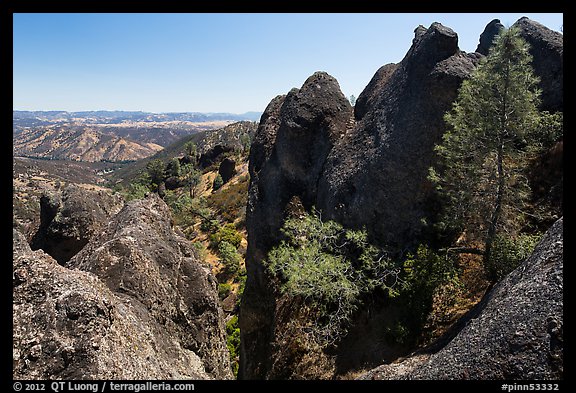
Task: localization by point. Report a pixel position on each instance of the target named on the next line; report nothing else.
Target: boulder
(68, 220)
(547, 50)
(227, 169)
(380, 167)
(141, 257)
(69, 325)
(287, 155)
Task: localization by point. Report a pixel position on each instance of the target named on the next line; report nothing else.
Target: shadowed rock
(227, 169)
(69, 219)
(547, 50)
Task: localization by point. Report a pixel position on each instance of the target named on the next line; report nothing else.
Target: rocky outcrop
(547, 50)
(380, 167)
(491, 30)
(360, 170)
(369, 95)
(212, 155)
(227, 169)
(133, 304)
(369, 170)
(296, 133)
(68, 220)
(140, 256)
(517, 334)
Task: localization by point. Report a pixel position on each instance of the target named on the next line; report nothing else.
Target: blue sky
(210, 62)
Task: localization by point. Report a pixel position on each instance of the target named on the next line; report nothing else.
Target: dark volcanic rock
(518, 333)
(227, 169)
(67, 324)
(287, 157)
(491, 30)
(212, 155)
(309, 151)
(140, 258)
(370, 94)
(380, 167)
(547, 49)
(69, 219)
(367, 171)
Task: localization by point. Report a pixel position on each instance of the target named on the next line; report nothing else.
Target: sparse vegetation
(508, 253)
(424, 274)
(329, 268)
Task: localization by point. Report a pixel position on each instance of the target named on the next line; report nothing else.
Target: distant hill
(78, 143)
(28, 118)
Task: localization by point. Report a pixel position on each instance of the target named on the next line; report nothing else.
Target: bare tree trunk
(495, 217)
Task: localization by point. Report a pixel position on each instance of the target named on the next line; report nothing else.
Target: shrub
(138, 189)
(173, 167)
(224, 290)
(330, 268)
(218, 182)
(226, 233)
(423, 274)
(230, 204)
(508, 253)
(233, 343)
(229, 256)
(155, 169)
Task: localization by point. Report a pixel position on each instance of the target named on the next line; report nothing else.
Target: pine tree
(493, 131)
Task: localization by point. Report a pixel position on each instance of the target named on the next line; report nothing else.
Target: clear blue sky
(210, 62)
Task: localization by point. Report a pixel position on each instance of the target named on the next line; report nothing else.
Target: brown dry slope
(79, 144)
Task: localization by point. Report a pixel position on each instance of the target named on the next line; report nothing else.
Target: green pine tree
(494, 129)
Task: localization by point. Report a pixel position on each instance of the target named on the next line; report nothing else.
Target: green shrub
(233, 343)
(173, 167)
(507, 253)
(200, 249)
(218, 183)
(226, 233)
(224, 290)
(231, 204)
(330, 268)
(229, 256)
(138, 189)
(422, 274)
(156, 169)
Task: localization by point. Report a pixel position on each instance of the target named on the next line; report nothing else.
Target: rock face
(547, 50)
(364, 170)
(360, 170)
(69, 219)
(212, 155)
(296, 133)
(380, 167)
(491, 30)
(133, 304)
(518, 333)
